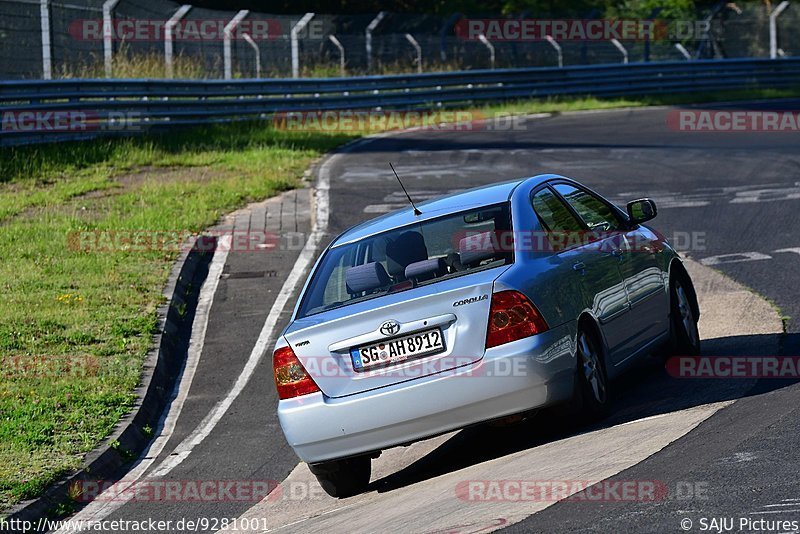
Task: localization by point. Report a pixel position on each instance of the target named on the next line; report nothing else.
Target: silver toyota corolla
(490, 302)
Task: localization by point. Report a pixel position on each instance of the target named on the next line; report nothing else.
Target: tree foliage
(532, 8)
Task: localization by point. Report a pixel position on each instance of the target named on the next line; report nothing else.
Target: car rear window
(414, 255)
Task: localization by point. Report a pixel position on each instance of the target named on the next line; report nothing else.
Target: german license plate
(397, 350)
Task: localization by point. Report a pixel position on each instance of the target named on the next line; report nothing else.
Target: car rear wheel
(591, 376)
(685, 335)
(343, 478)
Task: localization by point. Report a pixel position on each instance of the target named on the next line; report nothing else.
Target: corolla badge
(390, 328)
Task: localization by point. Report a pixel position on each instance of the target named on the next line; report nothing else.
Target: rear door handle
(617, 253)
(579, 267)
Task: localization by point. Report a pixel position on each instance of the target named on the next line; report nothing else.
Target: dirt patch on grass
(142, 175)
(94, 205)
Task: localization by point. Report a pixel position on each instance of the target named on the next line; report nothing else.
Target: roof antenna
(416, 210)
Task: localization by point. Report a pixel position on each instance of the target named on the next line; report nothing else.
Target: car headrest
(426, 269)
(408, 248)
(367, 277)
(453, 261)
(476, 248)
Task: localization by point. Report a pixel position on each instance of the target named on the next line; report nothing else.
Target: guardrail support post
(622, 49)
(227, 35)
(368, 34)
(108, 34)
(47, 58)
(418, 48)
(557, 46)
(482, 38)
(340, 48)
(773, 28)
(257, 52)
(685, 53)
(296, 29)
(168, 37)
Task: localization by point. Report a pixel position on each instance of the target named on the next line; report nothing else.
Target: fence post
(368, 34)
(296, 29)
(47, 58)
(108, 34)
(773, 28)
(168, 27)
(339, 47)
(557, 46)
(682, 49)
(622, 49)
(482, 38)
(254, 46)
(418, 48)
(451, 20)
(227, 35)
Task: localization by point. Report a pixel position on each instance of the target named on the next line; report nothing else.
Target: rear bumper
(514, 377)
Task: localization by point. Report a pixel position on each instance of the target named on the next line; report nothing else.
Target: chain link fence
(56, 39)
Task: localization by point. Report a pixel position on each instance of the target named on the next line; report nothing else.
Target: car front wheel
(343, 478)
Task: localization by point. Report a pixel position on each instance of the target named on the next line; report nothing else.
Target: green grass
(75, 325)
(128, 65)
(557, 105)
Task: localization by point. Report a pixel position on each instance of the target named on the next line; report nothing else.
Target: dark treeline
(576, 8)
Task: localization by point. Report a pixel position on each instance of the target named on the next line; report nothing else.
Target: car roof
(437, 207)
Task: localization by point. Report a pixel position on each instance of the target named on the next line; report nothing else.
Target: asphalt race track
(723, 448)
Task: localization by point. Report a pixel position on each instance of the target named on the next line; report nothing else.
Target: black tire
(343, 478)
(683, 320)
(592, 386)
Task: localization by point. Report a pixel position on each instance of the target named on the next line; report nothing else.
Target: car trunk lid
(457, 307)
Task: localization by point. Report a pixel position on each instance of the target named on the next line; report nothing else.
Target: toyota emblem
(390, 328)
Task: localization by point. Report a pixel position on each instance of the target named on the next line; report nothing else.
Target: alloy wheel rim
(591, 368)
(687, 317)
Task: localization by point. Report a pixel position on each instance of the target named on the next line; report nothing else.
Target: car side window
(597, 215)
(557, 220)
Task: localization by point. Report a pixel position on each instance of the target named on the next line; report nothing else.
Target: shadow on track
(644, 391)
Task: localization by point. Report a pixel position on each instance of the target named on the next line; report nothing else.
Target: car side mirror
(641, 210)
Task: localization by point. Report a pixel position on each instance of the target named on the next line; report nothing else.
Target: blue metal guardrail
(130, 106)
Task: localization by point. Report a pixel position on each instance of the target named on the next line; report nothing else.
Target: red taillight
(291, 379)
(511, 317)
